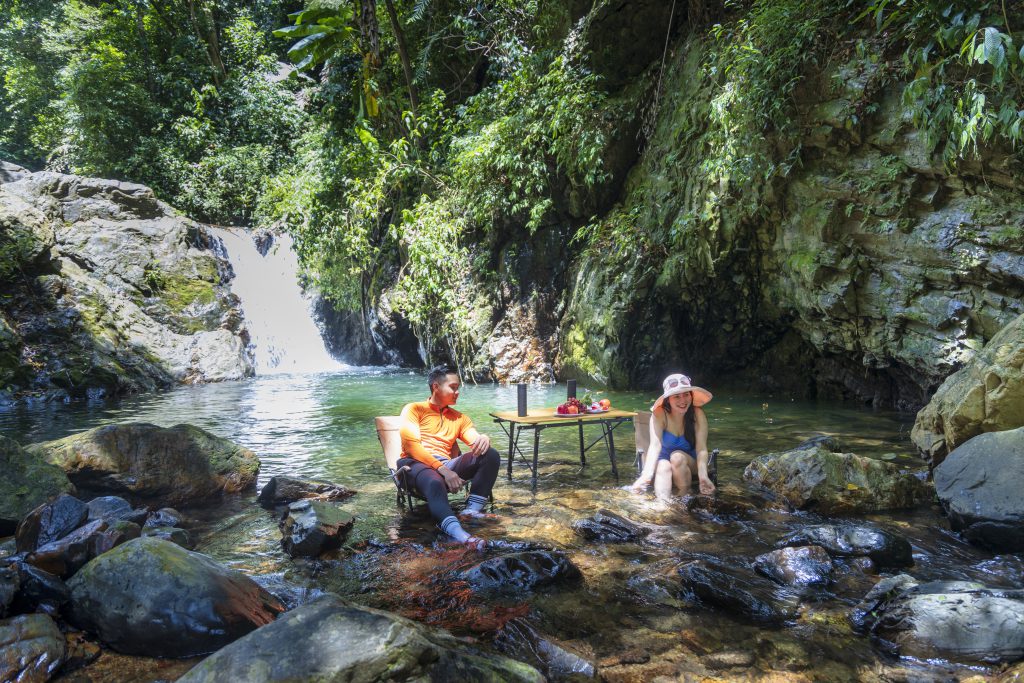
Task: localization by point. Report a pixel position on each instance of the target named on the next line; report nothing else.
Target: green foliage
(324, 32)
(966, 68)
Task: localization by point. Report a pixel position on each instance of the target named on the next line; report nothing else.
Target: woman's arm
(701, 447)
(656, 426)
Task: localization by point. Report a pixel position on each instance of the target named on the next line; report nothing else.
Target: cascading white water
(284, 336)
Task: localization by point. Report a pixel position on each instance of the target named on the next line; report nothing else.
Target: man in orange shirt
(429, 431)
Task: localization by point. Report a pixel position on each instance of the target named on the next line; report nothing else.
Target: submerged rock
(176, 465)
(166, 517)
(986, 395)
(523, 571)
(803, 566)
(816, 476)
(331, 640)
(28, 481)
(739, 590)
(979, 485)
(310, 527)
(31, 649)
(951, 619)
(50, 522)
(609, 527)
(173, 534)
(9, 583)
(557, 660)
(151, 597)
(854, 540)
(281, 490)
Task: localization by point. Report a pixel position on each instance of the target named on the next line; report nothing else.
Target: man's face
(446, 392)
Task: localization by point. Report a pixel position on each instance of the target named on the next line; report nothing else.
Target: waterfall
(284, 336)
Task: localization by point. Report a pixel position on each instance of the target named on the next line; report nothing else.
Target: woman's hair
(689, 421)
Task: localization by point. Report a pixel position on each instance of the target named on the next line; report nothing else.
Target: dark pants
(480, 471)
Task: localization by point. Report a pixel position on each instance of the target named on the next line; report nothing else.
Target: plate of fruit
(573, 407)
(602, 406)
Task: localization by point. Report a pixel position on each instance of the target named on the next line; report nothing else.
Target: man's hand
(480, 446)
(452, 481)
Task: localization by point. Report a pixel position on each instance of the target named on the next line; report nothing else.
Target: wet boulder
(281, 490)
(557, 660)
(310, 527)
(986, 395)
(173, 534)
(737, 589)
(114, 508)
(154, 598)
(176, 465)
(885, 549)
(979, 485)
(166, 517)
(522, 572)
(28, 481)
(31, 648)
(608, 527)
(67, 555)
(958, 620)
(116, 533)
(816, 475)
(50, 522)
(802, 566)
(331, 640)
(9, 583)
(39, 590)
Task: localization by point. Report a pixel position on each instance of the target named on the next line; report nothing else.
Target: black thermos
(570, 389)
(521, 399)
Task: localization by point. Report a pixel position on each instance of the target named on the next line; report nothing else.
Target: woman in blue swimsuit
(679, 433)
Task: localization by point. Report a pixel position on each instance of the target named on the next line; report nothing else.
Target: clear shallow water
(321, 426)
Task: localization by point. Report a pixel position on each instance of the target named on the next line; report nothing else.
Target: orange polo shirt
(428, 435)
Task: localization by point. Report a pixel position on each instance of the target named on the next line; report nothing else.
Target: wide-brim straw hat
(680, 384)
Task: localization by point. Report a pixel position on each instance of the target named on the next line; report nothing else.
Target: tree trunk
(208, 34)
(403, 54)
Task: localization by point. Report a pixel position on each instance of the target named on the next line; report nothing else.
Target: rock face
(151, 597)
(176, 465)
(330, 640)
(979, 484)
(282, 490)
(854, 540)
(986, 395)
(31, 648)
(310, 527)
(951, 619)
(816, 476)
(27, 482)
(112, 292)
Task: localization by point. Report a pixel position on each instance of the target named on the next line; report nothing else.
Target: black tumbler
(521, 399)
(570, 389)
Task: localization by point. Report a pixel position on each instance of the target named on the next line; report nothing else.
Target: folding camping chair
(642, 425)
(389, 432)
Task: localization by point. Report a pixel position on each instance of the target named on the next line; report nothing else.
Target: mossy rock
(27, 482)
(176, 465)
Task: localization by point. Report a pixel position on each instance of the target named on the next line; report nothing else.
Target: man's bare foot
(706, 487)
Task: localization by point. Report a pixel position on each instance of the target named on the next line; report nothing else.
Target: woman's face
(680, 402)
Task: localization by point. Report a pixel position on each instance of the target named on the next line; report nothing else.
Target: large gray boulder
(958, 620)
(28, 481)
(180, 464)
(31, 649)
(979, 484)
(151, 597)
(329, 641)
(986, 395)
(816, 475)
(112, 291)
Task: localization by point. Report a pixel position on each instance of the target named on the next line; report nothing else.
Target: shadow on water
(620, 616)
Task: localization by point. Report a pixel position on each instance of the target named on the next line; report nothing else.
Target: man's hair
(437, 375)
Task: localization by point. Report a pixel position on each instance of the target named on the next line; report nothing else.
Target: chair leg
(713, 467)
(639, 462)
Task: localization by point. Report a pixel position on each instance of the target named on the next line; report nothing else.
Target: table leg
(536, 449)
(511, 447)
(611, 449)
(583, 452)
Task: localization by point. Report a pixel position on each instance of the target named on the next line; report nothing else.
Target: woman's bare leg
(680, 471)
(663, 480)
